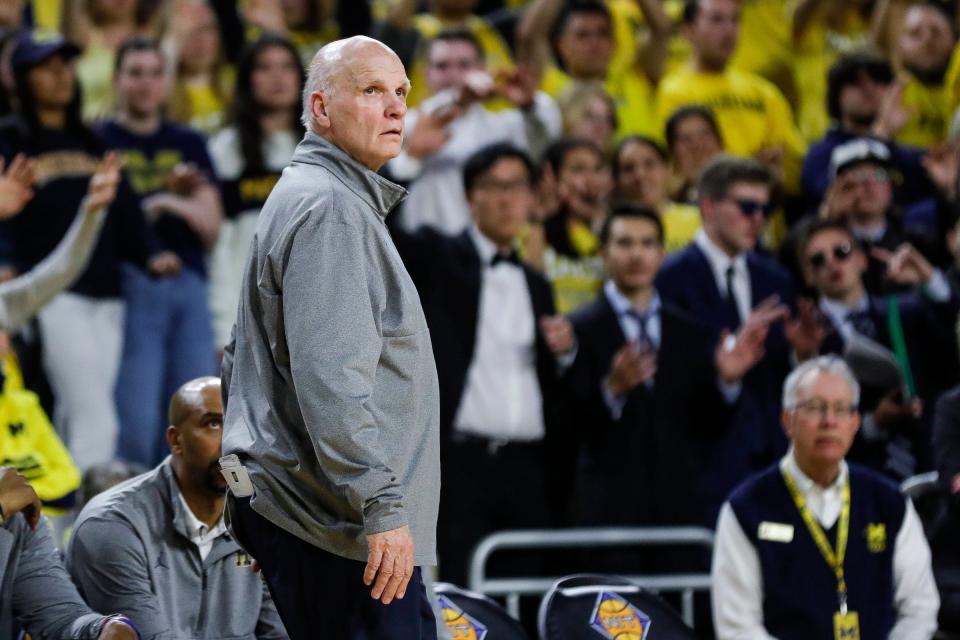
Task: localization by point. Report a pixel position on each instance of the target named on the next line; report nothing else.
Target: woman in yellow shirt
(641, 176)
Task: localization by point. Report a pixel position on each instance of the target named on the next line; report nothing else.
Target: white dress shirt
(838, 313)
(719, 263)
(436, 196)
(501, 398)
(737, 593)
(200, 534)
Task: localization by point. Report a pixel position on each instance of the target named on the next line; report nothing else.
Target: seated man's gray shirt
(35, 591)
(330, 382)
(131, 551)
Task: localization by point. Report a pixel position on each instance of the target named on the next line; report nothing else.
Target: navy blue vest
(800, 590)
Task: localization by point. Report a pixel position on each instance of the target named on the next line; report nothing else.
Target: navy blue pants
(322, 595)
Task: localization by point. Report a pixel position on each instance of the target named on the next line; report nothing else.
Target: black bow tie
(509, 257)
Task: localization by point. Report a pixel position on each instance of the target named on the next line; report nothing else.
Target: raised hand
(102, 188)
(942, 164)
(518, 86)
(892, 115)
(430, 133)
(389, 564)
(735, 356)
(905, 266)
(16, 185)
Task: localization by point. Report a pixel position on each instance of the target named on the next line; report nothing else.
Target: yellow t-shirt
(816, 51)
(576, 280)
(931, 112)
(751, 112)
(631, 92)
(29, 443)
(94, 70)
(766, 41)
(496, 52)
(680, 223)
(952, 81)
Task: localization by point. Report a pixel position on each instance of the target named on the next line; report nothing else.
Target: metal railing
(686, 584)
(918, 485)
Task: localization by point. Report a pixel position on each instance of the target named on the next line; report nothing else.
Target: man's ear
(173, 439)
(318, 109)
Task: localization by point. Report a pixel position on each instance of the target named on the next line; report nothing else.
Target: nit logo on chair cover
(615, 618)
(461, 625)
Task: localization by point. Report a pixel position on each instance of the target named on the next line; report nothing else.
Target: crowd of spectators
(627, 221)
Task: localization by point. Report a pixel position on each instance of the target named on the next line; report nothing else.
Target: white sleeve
(737, 593)
(404, 167)
(915, 596)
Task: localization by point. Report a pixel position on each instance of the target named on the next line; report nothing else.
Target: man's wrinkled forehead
(366, 62)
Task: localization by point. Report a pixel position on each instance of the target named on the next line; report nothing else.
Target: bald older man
(331, 386)
(157, 549)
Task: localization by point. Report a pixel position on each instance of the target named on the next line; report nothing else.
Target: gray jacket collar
(170, 490)
(222, 546)
(381, 194)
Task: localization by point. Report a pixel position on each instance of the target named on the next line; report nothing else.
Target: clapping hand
(806, 331)
(557, 333)
(632, 366)
(16, 186)
(735, 356)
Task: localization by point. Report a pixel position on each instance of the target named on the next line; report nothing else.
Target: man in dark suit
(720, 280)
(896, 417)
(651, 388)
(494, 338)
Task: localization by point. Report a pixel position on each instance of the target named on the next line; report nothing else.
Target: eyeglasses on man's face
(840, 252)
(816, 408)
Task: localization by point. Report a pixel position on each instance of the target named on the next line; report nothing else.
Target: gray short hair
(326, 63)
(821, 364)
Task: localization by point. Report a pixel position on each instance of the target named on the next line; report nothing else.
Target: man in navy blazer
(895, 438)
(650, 389)
(720, 280)
(494, 337)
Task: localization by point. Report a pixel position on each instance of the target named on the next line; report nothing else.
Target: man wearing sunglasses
(720, 280)
(895, 436)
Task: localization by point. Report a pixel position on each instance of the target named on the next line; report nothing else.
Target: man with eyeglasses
(814, 547)
(720, 280)
(912, 329)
